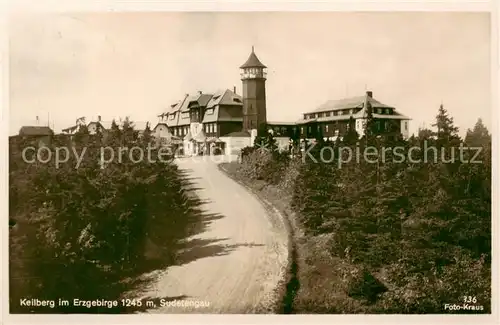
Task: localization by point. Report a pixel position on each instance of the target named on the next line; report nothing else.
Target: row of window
(379, 125)
(387, 111)
(210, 128)
(180, 131)
(332, 113)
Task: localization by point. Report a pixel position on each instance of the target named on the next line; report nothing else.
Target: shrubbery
(81, 232)
(411, 236)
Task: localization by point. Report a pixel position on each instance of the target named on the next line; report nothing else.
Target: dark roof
(253, 62)
(36, 131)
(239, 134)
(347, 103)
(204, 99)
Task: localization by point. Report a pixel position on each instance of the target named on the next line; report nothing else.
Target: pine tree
(478, 136)
(351, 136)
(129, 135)
(114, 137)
(370, 124)
(447, 132)
(146, 135)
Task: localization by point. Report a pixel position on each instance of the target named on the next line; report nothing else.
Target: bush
(82, 231)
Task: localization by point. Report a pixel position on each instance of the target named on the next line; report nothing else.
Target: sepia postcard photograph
(250, 163)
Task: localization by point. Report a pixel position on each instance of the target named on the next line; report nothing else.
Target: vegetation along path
(236, 261)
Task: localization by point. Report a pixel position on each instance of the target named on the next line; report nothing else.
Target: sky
(64, 66)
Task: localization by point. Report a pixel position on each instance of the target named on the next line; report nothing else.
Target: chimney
(99, 118)
(199, 92)
(369, 94)
(234, 89)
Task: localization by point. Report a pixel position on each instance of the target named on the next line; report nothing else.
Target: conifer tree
(351, 136)
(146, 135)
(114, 137)
(370, 124)
(447, 132)
(478, 136)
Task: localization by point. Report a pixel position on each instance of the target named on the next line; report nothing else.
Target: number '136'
(469, 299)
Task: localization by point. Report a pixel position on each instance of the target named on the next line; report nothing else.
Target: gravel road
(236, 262)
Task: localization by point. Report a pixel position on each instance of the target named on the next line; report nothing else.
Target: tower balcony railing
(248, 75)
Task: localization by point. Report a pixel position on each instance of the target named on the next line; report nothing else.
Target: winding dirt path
(236, 262)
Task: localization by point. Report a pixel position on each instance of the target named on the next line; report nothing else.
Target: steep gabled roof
(253, 62)
(204, 99)
(225, 97)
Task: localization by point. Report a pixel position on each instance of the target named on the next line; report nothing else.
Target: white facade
(405, 128)
(360, 126)
(235, 144)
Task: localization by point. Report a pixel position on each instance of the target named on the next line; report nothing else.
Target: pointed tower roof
(253, 61)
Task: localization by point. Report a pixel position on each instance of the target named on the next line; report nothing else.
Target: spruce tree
(447, 132)
(478, 136)
(114, 137)
(146, 135)
(351, 136)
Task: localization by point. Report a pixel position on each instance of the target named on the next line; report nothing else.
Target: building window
(215, 127)
(301, 130)
(327, 114)
(406, 126)
(326, 128)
